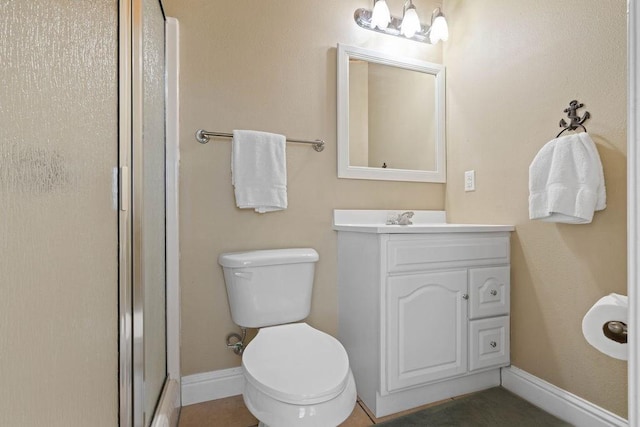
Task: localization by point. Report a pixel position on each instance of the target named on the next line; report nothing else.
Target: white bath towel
(566, 182)
(259, 170)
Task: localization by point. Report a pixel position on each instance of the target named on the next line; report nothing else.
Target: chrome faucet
(400, 219)
(405, 218)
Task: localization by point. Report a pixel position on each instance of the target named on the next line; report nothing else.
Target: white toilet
(295, 375)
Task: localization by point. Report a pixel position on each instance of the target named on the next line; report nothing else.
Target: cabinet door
(426, 328)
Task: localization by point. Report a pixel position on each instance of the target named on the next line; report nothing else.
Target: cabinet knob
(493, 292)
(493, 344)
(465, 296)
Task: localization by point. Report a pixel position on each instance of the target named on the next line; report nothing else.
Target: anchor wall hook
(575, 121)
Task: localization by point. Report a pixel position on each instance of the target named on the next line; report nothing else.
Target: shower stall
(84, 219)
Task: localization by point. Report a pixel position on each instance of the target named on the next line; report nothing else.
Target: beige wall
(268, 65)
(512, 67)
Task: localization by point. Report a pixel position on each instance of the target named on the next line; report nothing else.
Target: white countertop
(367, 221)
(422, 228)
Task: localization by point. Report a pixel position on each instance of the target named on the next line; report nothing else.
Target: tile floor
(231, 412)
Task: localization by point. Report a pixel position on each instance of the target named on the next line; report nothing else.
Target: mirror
(390, 117)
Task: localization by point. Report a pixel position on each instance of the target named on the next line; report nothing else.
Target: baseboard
(212, 385)
(557, 401)
(168, 410)
(564, 405)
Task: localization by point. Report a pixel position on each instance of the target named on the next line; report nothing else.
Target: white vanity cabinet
(423, 316)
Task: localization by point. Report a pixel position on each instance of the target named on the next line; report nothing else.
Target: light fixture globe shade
(439, 30)
(410, 23)
(381, 16)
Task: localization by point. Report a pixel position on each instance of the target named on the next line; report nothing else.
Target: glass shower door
(149, 232)
(58, 213)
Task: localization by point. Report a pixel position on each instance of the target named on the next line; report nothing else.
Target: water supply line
(236, 341)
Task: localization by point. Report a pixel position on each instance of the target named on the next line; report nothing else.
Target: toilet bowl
(296, 375)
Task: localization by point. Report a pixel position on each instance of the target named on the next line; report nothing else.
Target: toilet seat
(296, 364)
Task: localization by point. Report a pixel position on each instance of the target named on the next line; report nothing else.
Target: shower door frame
(125, 297)
(130, 373)
(633, 208)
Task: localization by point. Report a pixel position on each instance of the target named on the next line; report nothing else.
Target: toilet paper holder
(616, 331)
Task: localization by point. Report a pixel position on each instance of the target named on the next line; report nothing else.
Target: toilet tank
(269, 287)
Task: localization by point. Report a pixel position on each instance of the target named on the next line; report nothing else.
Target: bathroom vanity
(423, 309)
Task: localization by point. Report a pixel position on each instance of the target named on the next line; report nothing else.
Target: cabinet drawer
(489, 292)
(489, 342)
(414, 254)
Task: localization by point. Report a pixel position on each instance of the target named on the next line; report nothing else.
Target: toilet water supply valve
(236, 341)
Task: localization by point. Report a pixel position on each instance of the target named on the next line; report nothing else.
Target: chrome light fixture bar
(412, 30)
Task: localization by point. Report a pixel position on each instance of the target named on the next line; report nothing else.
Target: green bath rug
(495, 407)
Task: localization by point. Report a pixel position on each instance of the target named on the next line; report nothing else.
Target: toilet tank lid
(268, 257)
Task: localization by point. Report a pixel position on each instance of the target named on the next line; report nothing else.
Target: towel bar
(203, 137)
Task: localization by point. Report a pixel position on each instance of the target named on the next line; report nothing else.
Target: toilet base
(274, 413)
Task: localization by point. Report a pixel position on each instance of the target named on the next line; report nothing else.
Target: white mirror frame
(361, 172)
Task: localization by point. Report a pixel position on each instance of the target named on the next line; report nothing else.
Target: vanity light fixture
(380, 20)
(439, 29)
(380, 17)
(410, 21)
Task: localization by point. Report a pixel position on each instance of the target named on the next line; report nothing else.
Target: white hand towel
(566, 182)
(259, 170)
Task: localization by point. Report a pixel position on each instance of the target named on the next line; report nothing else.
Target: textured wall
(512, 67)
(268, 66)
(58, 222)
